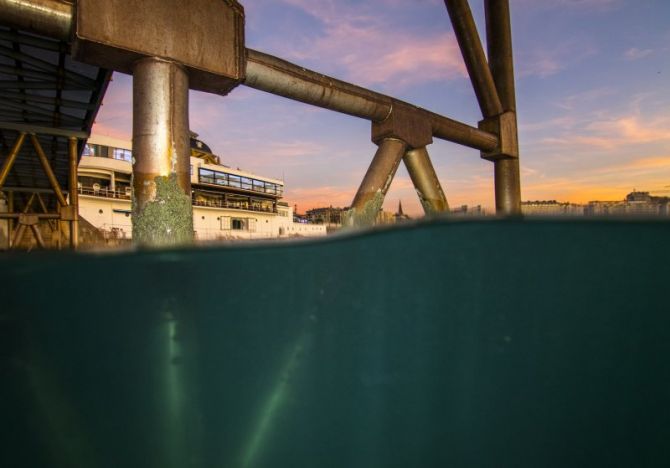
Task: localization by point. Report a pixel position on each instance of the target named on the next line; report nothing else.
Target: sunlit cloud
(635, 54)
(613, 133)
(372, 52)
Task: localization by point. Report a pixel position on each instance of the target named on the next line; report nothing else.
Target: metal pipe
(377, 180)
(74, 193)
(37, 215)
(11, 158)
(499, 44)
(507, 186)
(10, 222)
(425, 181)
(38, 236)
(162, 210)
(499, 40)
(52, 18)
(457, 132)
(274, 75)
(17, 235)
(48, 171)
(267, 73)
(473, 55)
(29, 205)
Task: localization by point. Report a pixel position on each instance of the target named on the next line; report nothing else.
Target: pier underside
(487, 343)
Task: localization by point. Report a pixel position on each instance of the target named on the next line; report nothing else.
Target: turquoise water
(502, 343)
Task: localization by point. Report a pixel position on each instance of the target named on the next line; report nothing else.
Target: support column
(473, 55)
(11, 158)
(74, 195)
(377, 180)
(162, 210)
(499, 44)
(425, 181)
(10, 221)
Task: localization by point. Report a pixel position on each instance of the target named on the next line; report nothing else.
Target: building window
(122, 154)
(239, 224)
(207, 176)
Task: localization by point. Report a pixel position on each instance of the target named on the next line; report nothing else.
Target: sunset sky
(593, 98)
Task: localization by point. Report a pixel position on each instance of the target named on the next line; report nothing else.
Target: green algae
(167, 220)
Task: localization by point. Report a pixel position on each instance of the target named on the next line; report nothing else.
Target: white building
(227, 203)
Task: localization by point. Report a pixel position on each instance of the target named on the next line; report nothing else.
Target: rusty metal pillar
(425, 181)
(377, 180)
(74, 195)
(10, 221)
(162, 210)
(501, 63)
(473, 55)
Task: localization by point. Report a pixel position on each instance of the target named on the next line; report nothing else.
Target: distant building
(400, 216)
(551, 208)
(465, 210)
(330, 216)
(635, 204)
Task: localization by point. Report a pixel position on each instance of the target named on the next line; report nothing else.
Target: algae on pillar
(162, 210)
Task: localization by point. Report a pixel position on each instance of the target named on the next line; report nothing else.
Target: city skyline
(591, 91)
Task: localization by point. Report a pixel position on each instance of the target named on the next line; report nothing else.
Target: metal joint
(28, 219)
(405, 123)
(503, 125)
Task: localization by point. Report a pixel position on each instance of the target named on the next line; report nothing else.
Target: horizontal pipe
(28, 128)
(274, 75)
(267, 73)
(37, 215)
(51, 18)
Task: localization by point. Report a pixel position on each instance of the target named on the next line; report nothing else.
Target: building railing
(106, 192)
(126, 194)
(233, 205)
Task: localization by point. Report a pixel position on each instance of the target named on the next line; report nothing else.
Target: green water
(501, 343)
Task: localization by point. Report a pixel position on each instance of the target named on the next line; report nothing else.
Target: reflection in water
(276, 398)
(177, 409)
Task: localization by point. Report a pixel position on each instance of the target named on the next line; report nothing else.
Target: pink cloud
(633, 129)
(373, 52)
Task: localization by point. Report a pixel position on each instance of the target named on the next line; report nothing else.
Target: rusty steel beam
(11, 158)
(425, 181)
(377, 180)
(38, 215)
(273, 75)
(499, 45)
(29, 128)
(276, 76)
(473, 55)
(17, 235)
(74, 193)
(38, 236)
(501, 62)
(162, 210)
(46, 166)
(52, 18)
